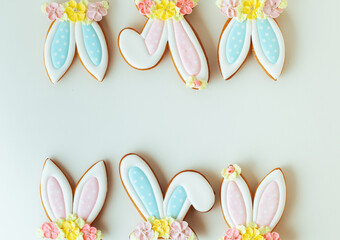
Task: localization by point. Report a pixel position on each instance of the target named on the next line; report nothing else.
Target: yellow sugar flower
(252, 234)
(251, 8)
(165, 9)
(75, 11)
(161, 226)
(70, 229)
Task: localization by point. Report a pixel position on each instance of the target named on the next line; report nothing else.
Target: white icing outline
(227, 69)
(273, 70)
(199, 193)
(52, 170)
(203, 74)
(274, 176)
(133, 48)
(99, 172)
(99, 71)
(56, 74)
(246, 195)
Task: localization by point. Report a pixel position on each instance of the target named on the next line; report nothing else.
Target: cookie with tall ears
(166, 27)
(247, 218)
(251, 25)
(71, 214)
(75, 28)
(164, 215)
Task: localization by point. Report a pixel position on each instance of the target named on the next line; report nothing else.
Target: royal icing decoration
(75, 23)
(251, 23)
(70, 217)
(164, 215)
(247, 220)
(166, 26)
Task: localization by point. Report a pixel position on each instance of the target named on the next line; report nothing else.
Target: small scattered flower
(180, 230)
(272, 8)
(75, 11)
(232, 234)
(161, 226)
(229, 7)
(96, 11)
(144, 231)
(89, 233)
(185, 6)
(232, 172)
(272, 236)
(54, 11)
(144, 6)
(50, 230)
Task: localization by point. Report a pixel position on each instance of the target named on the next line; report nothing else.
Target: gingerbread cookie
(166, 26)
(71, 217)
(249, 219)
(75, 24)
(164, 215)
(251, 23)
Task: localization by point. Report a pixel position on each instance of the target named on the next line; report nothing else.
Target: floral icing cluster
(250, 232)
(251, 9)
(193, 82)
(231, 172)
(165, 228)
(166, 9)
(71, 228)
(84, 11)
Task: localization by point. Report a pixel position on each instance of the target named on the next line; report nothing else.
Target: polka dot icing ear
(75, 24)
(90, 193)
(188, 189)
(55, 191)
(270, 200)
(255, 19)
(166, 24)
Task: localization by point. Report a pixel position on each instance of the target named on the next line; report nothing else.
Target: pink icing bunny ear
(55, 192)
(90, 192)
(270, 199)
(236, 202)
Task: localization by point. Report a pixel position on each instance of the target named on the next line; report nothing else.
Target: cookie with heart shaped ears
(71, 214)
(74, 28)
(164, 216)
(252, 219)
(166, 27)
(251, 24)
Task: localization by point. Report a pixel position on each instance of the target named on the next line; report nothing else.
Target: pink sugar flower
(185, 6)
(271, 8)
(50, 230)
(144, 6)
(230, 170)
(197, 83)
(272, 236)
(229, 8)
(233, 234)
(54, 11)
(144, 231)
(180, 230)
(89, 233)
(96, 11)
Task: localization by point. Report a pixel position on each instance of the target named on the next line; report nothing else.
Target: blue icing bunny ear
(92, 44)
(236, 41)
(143, 188)
(176, 202)
(60, 45)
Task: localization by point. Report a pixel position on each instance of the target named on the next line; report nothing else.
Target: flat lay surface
(249, 120)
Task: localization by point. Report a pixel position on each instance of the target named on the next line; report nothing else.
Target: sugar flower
(165, 9)
(252, 234)
(75, 11)
(54, 11)
(193, 82)
(185, 6)
(96, 11)
(70, 229)
(251, 8)
(272, 236)
(229, 7)
(144, 6)
(144, 231)
(89, 233)
(161, 226)
(50, 230)
(232, 234)
(180, 230)
(232, 172)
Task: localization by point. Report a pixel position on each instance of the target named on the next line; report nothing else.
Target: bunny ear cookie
(71, 217)
(74, 27)
(248, 219)
(164, 216)
(166, 26)
(251, 23)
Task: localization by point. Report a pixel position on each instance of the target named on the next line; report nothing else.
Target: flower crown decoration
(166, 9)
(71, 228)
(251, 9)
(84, 11)
(236, 203)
